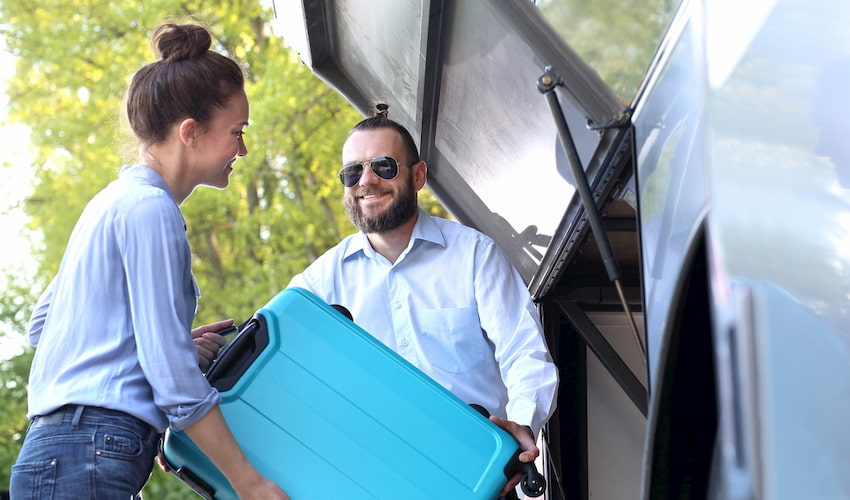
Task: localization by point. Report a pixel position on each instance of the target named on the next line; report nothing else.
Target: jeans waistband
(78, 412)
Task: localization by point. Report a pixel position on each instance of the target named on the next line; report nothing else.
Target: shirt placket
(398, 293)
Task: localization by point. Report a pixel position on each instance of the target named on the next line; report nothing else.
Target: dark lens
(385, 167)
(350, 173)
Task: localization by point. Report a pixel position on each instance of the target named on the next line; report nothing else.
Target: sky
(14, 171)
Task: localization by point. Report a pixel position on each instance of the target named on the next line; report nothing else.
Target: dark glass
(385, 167)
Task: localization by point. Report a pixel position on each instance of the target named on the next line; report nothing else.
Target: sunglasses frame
(354, 164)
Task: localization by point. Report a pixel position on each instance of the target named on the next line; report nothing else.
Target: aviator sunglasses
(385, 167)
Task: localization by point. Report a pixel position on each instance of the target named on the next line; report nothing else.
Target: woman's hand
(208, 341)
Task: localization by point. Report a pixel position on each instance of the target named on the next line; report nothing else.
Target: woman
(115, 362)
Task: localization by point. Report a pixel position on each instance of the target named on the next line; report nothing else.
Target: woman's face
(222, 142)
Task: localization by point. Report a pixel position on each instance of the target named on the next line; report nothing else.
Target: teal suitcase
(328, 412)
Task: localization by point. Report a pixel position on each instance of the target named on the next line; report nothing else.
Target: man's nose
(368, 176)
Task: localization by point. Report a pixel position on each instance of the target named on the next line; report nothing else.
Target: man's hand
(525, 438)
(209, 342)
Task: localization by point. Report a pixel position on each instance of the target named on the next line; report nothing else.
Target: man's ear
(188, 131)
(420, 174)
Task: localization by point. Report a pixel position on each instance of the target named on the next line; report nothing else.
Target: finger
(529, 455)
(163, 465)
(205, 358)
(215, 339)
(212, 327)
(511, 484)
(204, 344)
(530, 452)
(220, 325)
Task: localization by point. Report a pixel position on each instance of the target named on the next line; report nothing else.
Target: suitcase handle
(192, 481)
(343, 310)
(237, 356)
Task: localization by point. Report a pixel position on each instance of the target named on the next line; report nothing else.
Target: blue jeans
(84, 452)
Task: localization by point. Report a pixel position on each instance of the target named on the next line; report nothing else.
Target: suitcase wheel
(533, 484)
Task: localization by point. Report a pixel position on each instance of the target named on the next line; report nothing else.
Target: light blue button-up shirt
(112, 328)
(452, 305)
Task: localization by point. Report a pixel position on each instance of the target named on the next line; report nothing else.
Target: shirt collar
(426, 229)
(151, 177)
(146, 174)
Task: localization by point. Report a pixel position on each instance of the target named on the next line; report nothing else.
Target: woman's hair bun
(176, 42)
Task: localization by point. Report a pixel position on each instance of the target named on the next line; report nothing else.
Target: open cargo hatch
(462, 77)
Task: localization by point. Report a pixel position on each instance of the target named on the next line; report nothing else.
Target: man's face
(373, 204)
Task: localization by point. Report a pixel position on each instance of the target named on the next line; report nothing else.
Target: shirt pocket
(452, 339)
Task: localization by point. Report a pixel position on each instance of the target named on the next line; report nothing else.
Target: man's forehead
(367, 144)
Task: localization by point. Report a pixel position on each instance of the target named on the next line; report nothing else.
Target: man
(440, 294)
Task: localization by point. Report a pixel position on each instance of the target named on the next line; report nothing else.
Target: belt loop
(78, 413)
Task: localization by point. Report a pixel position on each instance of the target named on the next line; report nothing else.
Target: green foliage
(282, 208)
(13, 420)
(617, 38)
(15, 303)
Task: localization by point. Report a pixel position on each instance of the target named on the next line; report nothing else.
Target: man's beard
(400, 211)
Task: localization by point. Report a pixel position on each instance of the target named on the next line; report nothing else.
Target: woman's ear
(188, 131)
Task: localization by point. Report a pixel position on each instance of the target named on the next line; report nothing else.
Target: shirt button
(404, 343)
(398, 305)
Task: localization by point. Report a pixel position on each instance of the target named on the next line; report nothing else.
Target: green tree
(617, 38)
(13, 421)
(282, 208)
(14, 307)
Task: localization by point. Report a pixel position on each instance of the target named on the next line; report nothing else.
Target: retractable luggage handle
(236, 357)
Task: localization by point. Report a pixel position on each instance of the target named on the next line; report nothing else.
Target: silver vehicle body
(723, 185)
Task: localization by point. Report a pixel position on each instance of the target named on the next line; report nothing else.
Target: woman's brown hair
(189, 81)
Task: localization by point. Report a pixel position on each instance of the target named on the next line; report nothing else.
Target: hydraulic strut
(546, 85)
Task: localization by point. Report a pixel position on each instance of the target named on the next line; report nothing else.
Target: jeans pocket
(34, 480)
(119, 443)
(123, 460)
